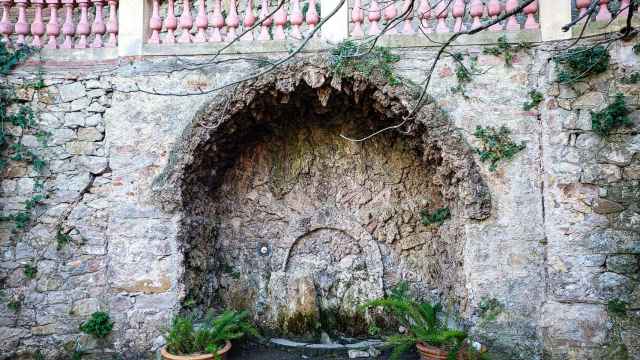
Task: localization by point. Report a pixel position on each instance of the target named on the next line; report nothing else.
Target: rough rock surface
(163, 196)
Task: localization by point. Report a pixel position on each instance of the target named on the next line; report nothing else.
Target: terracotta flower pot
(429, 352)
(222, 354)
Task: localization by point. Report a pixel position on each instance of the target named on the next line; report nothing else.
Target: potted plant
(423, 327)
(209, 341)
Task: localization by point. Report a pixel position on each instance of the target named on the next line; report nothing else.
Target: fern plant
(422, 321)
(184, 338)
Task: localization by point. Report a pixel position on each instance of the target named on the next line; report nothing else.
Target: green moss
(301, 324)
(337, 322)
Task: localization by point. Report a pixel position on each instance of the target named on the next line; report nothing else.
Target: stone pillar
(335, 29)
(133, 26)
(554, 15)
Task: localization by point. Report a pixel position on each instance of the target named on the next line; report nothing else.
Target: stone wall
(561, 241)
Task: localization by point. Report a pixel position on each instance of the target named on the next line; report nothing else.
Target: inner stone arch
(284, 217)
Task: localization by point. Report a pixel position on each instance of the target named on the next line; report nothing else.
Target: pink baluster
(530, 10)
(425, 16)
(313, 18)
(280, 19)
(186, 23)
(442, 11)
(407, 26)
(112, 25)
(476, 10)
(512, 22)
(374, 17)
(233, 21)
(357, 18)
(458, 15)
(202, 22)
(37, 26)
(171, 24)
(603, 13)
(53, 27)
(217, 21)
(98, 28)
(494, 9)
(296, 19)
(624, 9)
(155, 23)
(582, 5)
(249, 21)
(68, 29)
(266, 23)
(390, 12)
(83, 29)
(6, 29)
(21, 26)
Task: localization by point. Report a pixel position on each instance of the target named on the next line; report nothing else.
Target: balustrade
(218, 21)
(26, 22)
(440, 16)
(81, 24)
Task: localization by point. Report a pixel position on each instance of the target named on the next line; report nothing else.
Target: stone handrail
(155, 27)
(445, 17)
(27, 22)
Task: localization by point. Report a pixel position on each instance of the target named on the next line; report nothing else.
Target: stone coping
(88, 56)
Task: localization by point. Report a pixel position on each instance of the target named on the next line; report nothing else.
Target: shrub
(99, 325)
(184, 338)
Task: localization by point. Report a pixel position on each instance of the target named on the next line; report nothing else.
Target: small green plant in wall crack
(98, 326)
(496, 145)
(30, 271)
(581, 62)
(615, 115)
(434, 218)
(354, 57)
(617, 307)
(536, 98)
(506, 49)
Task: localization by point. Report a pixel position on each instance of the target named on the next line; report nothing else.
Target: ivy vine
(17, 119)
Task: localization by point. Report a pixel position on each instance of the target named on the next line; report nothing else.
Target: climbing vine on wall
(17, 120)
(578, 63)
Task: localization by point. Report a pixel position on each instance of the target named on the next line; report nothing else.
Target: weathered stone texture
(160, 193)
